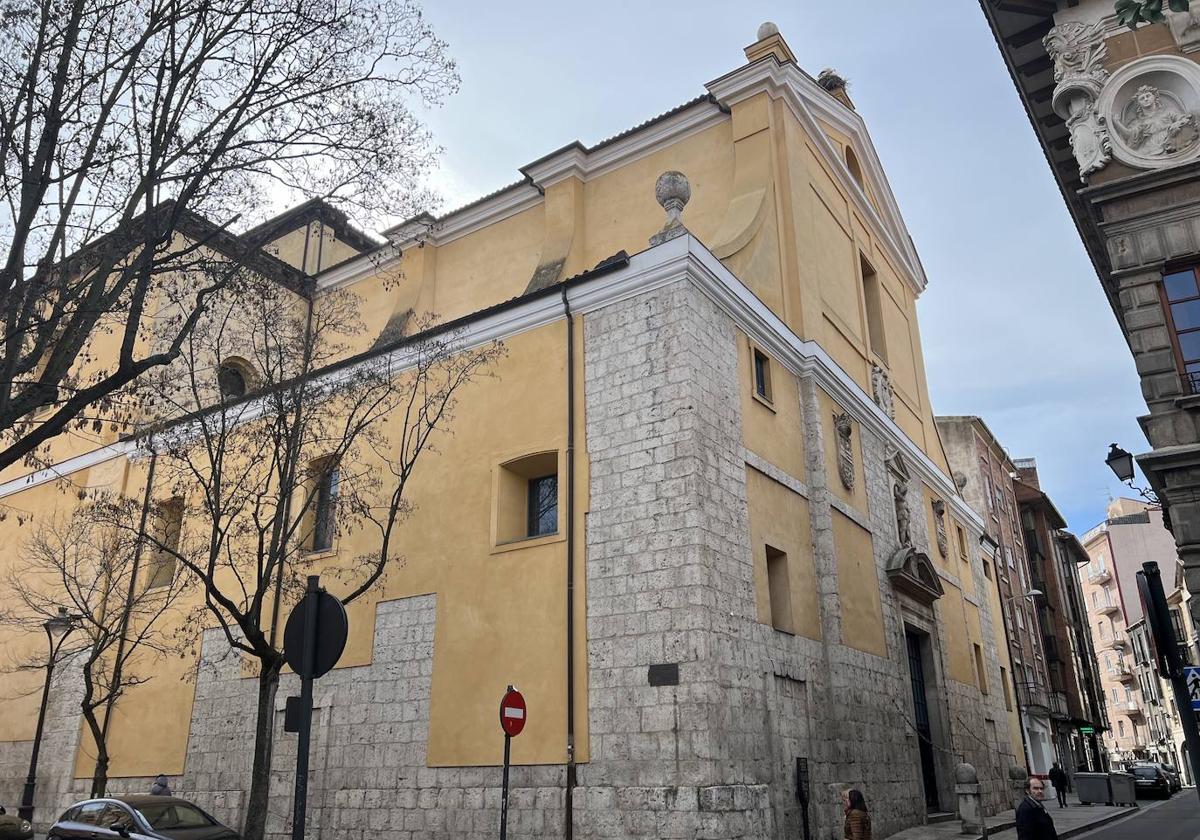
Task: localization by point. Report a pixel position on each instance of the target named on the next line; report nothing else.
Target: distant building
(1146, 725)
(1054, 554)
(988, 479)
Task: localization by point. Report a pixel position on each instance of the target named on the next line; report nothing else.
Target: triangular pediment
(913, 573)
(819, 112)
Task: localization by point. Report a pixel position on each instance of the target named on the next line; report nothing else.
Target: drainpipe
(569, 827)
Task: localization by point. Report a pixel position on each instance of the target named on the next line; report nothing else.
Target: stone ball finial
(1017, 774)
(964, 774)
(766, 30)
(672, 191)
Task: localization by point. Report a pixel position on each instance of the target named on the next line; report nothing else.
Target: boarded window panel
(858, 587)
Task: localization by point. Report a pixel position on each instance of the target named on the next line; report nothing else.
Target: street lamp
(1121, 463)
(57, 628)
(1032, 593)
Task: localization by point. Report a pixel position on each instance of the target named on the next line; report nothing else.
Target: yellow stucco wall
(858, 587)
(772, 429)
(779, 518)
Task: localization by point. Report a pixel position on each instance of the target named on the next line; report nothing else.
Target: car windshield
(168, 815)
(1145, 772)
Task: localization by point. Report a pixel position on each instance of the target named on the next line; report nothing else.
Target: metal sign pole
(504, 790)
(308, 655)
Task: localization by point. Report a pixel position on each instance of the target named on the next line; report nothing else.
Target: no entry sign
(512, 712)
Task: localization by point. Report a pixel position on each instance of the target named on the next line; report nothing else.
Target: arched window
(233, 378)
(855, 169)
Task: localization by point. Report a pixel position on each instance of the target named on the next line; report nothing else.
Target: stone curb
(1067, 833)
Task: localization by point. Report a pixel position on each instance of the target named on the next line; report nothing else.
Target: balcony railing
(1122, 672)
(1130, 707)
(1118, 640)
(1108, 608)
(1033, 697)
(1058, 705)
(1099, 575)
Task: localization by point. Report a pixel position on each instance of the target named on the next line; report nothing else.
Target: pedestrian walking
(1061, 782)
(1033, 821)
(160, 786)
(858, 821)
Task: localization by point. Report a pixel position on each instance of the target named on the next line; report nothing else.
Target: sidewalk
(1069, 821)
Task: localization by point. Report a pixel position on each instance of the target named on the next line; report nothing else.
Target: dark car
(13, 827)
(1150, 779)
(1173, 777)
(145, 816)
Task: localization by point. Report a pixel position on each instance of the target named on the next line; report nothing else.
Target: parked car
(13, 827)
(1151, 779)
(143, 816)
(1173, 777)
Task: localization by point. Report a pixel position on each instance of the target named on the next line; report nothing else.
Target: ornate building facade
(772, 587)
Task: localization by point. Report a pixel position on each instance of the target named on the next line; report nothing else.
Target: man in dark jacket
(1058, 778)
(1033, 823)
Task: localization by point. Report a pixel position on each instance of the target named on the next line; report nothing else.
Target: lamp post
(57, 629)
(1121, 463)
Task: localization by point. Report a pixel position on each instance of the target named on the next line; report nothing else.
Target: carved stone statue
(881, 388)
(1155, 123)
(1078, 51)
(900, 497)
(845, 449)
(939, 520)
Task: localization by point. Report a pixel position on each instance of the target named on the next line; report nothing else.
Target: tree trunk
(100, 774)
(264, 746)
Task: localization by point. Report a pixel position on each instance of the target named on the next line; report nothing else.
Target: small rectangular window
(324, 516)
(962, 543)
(780, 590)
(167, 524)
(987, 569)
(542, 506)
(1007, 689)
(872, 296)
(980, 670)
(762, 375)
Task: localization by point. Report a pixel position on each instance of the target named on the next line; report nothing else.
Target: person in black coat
(1033, 822)
(1061, 782)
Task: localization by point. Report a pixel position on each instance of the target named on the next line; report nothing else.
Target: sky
(1014, 325)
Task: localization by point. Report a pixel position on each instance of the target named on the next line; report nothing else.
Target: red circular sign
(512, 712)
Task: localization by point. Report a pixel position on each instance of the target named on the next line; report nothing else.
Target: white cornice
(683, 259)
(583, 163)
(808, 101)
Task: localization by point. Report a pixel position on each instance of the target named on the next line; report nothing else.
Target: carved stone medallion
(1151, 107)
(939, 522)
(1155, 122)
(881, 390)
(845, 448)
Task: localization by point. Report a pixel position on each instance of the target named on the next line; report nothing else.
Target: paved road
(1176, 819)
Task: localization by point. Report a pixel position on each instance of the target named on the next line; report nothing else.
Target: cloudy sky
(1014, 324)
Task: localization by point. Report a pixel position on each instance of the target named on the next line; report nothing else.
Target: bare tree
(135, 133)
(117, 597)
(282, 449)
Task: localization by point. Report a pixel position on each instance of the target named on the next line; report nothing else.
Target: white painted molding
(682, 259)
(807, 101)
(585, 164)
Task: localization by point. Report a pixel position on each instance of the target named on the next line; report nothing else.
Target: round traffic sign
(512, 712)
(332, 629)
